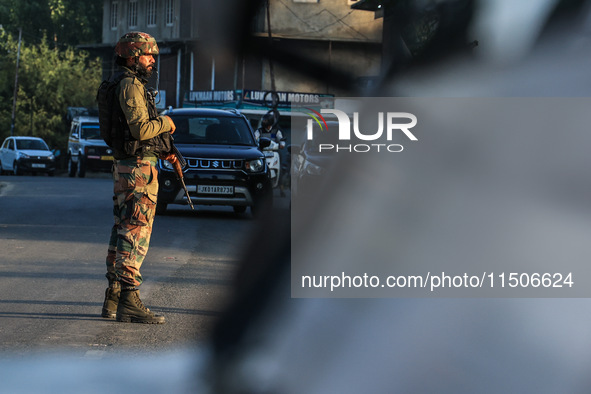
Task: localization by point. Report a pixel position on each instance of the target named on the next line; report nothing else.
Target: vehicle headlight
(255, 165)
(313, 169)
(22, 155)
(51, 157)
(166, 165)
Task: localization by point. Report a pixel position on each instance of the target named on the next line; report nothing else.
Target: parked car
(26, 154)
(86, 149)
(225, 166)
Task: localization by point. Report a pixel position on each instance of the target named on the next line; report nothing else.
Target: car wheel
(81, 167)
(71, 167)
(161, 208)
(239, 209)
(51, 173)
(16, 169)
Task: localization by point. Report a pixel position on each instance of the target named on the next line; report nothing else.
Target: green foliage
(52, 74)
(76, 21)
(66, 22)
(49, 80)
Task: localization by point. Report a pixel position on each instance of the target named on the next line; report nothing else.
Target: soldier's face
(146, 64)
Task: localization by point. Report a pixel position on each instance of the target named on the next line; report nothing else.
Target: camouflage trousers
(134, 206)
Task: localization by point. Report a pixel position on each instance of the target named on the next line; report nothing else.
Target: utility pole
(18, 56)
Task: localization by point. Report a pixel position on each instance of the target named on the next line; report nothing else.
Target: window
(27, 144)
(90, 131)
(114, 14)
(169, 12)
(151, 13)
(132, 13)
(199, 129)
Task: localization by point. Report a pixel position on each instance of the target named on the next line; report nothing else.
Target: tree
(50, 80)
(77, 22)
(66, 22)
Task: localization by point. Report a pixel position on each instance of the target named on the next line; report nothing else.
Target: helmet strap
(136, 63)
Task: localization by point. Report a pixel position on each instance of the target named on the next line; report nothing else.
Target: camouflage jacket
(133, 98)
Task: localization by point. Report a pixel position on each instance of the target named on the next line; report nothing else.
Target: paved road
(53, 239)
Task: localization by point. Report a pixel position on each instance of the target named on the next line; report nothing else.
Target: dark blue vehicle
(225, 166)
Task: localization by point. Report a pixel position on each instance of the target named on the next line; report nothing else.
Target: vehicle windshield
(31, 145)
(91, 131)
(217, 130)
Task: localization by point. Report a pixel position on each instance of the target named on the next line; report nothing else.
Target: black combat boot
(132, 310)
(111, 300)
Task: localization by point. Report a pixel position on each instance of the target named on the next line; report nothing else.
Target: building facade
(329, 31)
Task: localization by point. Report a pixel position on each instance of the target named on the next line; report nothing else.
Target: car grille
(39, 159)
(215, 164)
(98, 150)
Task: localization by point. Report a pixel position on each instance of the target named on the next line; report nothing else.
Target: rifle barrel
(178, 168)
(187, 193)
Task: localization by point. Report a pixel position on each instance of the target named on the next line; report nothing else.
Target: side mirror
(264, 142)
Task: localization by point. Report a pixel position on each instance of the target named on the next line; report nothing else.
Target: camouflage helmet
(136, 43)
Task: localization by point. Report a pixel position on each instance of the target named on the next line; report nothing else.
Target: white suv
(86, 148)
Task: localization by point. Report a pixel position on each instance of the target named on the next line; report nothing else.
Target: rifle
(180, 160)
(178, 168)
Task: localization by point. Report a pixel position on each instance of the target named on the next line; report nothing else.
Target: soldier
(138, 137)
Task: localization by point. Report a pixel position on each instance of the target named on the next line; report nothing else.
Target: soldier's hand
(170, 157)
(172, 125)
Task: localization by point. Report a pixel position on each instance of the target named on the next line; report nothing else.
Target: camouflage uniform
(135, 187)
(134, 205)
(130, 124)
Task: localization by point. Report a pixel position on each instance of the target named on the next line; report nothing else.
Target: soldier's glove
(172, 125)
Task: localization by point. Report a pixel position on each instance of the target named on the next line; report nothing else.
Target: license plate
(215, 189)
(107, 158)
(37, 165)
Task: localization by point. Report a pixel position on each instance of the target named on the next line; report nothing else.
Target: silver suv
(86, 149)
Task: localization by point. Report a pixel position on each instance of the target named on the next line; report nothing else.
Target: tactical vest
(271, 135)
(114, 128)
